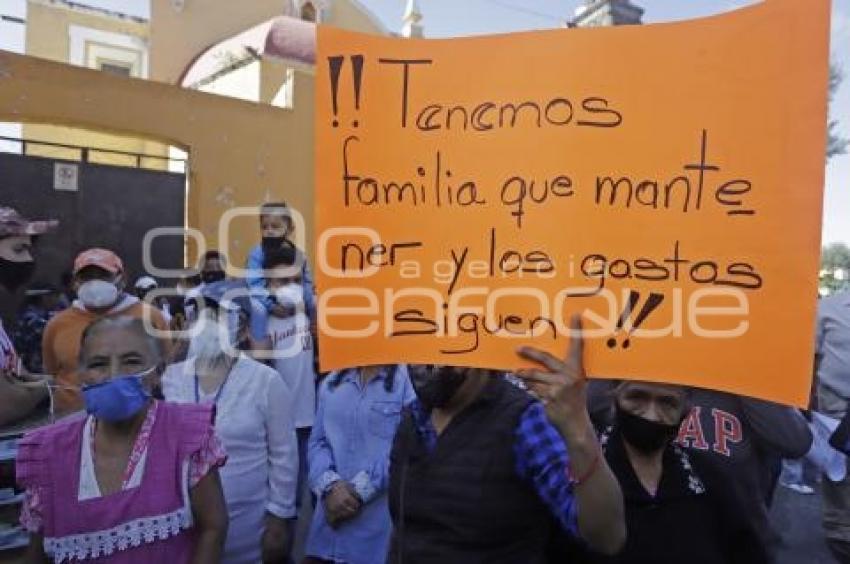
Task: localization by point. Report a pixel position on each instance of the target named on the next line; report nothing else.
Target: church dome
(291, 38)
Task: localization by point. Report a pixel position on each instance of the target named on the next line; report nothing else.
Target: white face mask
(208, 346)
(98, 294)
(290, 294)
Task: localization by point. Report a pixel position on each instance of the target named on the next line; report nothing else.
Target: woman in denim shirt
(348, 458)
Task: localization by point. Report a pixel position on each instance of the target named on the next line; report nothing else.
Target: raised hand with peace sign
(561, 384)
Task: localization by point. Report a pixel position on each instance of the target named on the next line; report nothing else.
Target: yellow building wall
(48, 25)
(178, 36)
(342, 13)
(48, 37)
(297, 190)
(272, 77)
(202, 28)
(240, 152)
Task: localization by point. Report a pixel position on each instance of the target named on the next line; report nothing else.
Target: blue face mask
(116, 399)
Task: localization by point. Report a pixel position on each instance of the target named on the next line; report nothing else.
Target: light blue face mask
(118, 398)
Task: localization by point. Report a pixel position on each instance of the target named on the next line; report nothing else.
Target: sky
(449, 18)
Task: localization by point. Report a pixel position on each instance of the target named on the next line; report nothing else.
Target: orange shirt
(60, 347)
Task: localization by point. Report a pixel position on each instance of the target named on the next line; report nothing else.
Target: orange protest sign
(666, 180)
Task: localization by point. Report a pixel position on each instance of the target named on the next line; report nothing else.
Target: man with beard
(480, 470)
(16, 267)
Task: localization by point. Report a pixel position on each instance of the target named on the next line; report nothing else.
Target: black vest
(464, 503)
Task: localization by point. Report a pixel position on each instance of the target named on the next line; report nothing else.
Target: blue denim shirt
(351, 440)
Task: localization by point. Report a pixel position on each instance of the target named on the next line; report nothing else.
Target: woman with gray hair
(132, 480)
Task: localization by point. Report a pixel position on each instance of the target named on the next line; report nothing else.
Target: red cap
(102, 258)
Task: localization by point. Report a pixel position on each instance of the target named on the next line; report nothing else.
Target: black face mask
(435, 387)
(645, 435)
(272, 243)
(211, 276)
(14, 274)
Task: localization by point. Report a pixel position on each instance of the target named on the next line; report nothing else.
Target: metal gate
(97, 206)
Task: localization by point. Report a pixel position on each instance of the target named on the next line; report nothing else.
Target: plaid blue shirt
(541, 459)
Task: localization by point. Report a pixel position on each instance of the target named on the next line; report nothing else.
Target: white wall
(242, 83)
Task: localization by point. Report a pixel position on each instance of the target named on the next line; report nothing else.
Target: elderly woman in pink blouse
(133, 481)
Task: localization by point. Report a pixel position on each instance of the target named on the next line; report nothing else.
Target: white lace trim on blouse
(127, 535)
